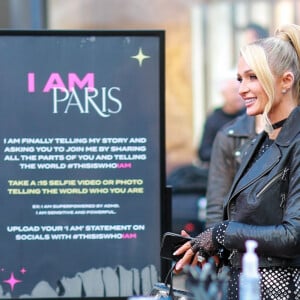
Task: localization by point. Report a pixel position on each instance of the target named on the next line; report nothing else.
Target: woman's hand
(189, 258)
(202, 244)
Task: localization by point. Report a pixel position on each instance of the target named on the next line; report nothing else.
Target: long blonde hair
(270, 58)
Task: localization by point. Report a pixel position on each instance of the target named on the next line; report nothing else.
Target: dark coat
(229, 144)
(264, 204)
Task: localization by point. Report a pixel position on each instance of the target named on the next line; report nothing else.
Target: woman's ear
(287, 80)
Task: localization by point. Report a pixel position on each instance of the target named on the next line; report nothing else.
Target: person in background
(253, 32)
(232, 107)
(263, 203)
(229, 144)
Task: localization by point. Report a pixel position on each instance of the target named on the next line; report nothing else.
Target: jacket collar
(260, 167)
(243, 126)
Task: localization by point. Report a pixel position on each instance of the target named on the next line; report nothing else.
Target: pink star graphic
(23, 270)
(12, 281)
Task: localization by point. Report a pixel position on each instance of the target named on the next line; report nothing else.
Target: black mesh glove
(208, 242)
(203, 243)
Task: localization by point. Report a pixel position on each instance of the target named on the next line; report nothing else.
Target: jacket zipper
(283, 176)
(282, 202)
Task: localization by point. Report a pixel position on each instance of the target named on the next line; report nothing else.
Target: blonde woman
(264, 201)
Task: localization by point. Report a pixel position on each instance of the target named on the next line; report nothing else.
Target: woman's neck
(282, 110)
(276, 129)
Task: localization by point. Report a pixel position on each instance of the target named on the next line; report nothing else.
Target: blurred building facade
(202, 41)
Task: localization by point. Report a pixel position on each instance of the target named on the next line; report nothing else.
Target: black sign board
(83, 167)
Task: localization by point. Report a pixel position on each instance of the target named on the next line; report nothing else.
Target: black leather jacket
(229, 144)
(264, 204)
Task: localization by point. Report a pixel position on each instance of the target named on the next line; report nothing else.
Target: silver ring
(201, 258)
